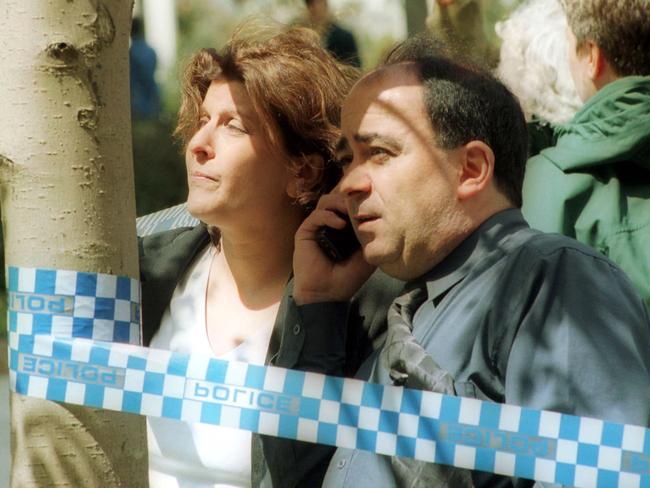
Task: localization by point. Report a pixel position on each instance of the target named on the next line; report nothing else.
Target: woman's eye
(236, 126)
(203, 120)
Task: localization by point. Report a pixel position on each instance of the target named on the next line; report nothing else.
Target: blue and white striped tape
(58, 321)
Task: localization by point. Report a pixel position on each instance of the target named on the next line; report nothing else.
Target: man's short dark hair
(620, 28)
(465, 103)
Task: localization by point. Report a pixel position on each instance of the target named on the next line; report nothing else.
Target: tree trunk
(68, 203)
(416, 16)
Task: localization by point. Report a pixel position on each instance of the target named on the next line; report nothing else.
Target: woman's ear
(477, 169)
(305, 174)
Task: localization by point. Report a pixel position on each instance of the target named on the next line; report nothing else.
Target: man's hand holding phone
(322, 273)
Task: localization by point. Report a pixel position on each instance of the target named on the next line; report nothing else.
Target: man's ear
(310, 170)
(595, 60)
(477, 169)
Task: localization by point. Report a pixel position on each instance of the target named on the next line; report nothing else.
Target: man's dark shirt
(521, 317)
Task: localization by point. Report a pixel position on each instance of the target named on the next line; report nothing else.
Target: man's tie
(407, 362)
(410, 366)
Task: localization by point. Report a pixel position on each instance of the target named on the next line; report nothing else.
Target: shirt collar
(478, 246)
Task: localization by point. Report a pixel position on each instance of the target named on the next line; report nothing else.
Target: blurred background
(167, 32)
(174, 29)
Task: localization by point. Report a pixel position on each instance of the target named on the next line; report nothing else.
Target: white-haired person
(534, 64)
(592, 182)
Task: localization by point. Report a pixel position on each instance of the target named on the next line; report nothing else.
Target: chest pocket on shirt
(470, 389)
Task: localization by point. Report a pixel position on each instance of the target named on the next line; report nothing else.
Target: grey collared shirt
(525, 318)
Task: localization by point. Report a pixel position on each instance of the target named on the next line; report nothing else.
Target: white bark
(68, 203)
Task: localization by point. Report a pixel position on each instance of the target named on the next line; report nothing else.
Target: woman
(259, 124)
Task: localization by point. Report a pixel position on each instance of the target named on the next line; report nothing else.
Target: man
(336, 39)
(592, 184)
(433, 155)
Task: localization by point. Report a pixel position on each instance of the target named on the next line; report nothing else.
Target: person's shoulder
(338, 28)
(546, 250)
(545, 190)
(339, 32)
(181, 237)
(163, 256)
(168, 236)
(540, 135)
(540, 159)
(378, 289)
(544, 154)
(572, 272)
(549, 243)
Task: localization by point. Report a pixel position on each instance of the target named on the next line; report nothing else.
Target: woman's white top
(184, 455)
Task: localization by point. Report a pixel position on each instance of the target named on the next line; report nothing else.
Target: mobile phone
(338, 244)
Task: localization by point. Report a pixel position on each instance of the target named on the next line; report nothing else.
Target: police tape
(60, 322)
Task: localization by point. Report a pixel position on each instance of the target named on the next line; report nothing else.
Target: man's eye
(343, 161)
(380, 153)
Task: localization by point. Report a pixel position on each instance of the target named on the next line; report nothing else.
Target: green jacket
(594, 183)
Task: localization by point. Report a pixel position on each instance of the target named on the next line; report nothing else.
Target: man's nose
(355, 181)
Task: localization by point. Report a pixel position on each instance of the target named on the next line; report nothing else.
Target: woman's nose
(201, 146)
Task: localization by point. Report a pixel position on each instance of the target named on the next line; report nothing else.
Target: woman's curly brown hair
(295, 87)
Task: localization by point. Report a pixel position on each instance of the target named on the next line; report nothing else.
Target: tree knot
(63, 52)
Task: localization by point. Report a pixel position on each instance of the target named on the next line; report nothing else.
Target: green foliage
(372, 49)
(495, 12)
(160, 179)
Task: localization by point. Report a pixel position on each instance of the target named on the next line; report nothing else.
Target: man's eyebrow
(376, 137)
(343, 146)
